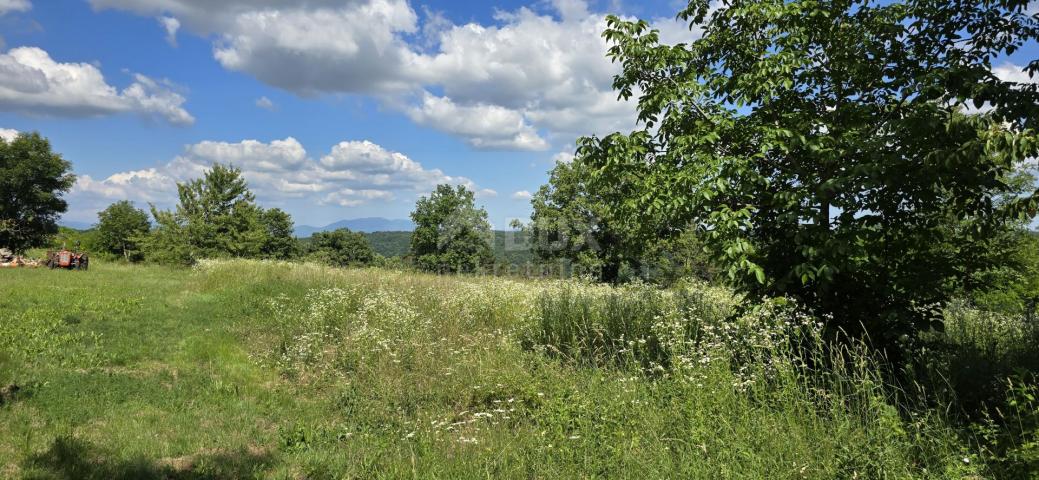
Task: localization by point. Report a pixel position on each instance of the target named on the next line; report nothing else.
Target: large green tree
(572, 220)
(341, 248)
(217, 216)
(451, 234)
(120, 229)
(32, 181)
(827, 146)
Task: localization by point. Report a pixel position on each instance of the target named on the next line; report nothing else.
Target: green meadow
(248, 369)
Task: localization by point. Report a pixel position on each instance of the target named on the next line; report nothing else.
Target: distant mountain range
(366, 225)
(76, 225)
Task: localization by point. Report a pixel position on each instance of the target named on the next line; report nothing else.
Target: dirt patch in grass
(189, 463)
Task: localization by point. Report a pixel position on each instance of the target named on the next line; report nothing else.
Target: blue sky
(147, 106)
(334, 109)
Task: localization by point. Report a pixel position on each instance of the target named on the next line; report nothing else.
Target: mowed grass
(265, 370)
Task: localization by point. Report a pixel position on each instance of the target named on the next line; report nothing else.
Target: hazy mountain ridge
(366, 225)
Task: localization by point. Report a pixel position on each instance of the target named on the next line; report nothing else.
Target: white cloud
(148, 185)
(351, 174)
(8, 134)
(547, 77)
(522, 195)
(482, 125)
(7, 6)
(251, 155)
(571, 9)
(539, 73)
(33, 83)
(347, 197)
(367, 165)
(266, 104)
(486, 193)
(1008, 72)
(354, 48)
(547, 68)
(673, 31)
(171, 25)
(563, 157)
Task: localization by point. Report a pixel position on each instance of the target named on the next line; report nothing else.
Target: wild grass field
(249, 369)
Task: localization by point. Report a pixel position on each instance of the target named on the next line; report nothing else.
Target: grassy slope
(234, 372)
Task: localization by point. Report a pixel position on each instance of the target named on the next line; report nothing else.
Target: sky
(333, 109)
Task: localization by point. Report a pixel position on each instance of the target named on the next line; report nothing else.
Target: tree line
(217, 216)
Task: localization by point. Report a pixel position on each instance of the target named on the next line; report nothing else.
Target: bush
(341, 248)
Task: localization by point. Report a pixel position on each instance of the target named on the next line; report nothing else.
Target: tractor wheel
(84, 263)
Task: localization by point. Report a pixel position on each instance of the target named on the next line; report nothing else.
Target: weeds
(372, 373)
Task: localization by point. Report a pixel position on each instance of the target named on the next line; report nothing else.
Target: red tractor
(68, 260)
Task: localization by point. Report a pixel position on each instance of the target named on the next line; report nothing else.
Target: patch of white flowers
(753, 345)
(370, 315)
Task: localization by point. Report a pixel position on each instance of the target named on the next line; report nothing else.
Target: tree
(451, 234)
(1011, 283)
(217, 216)
(32, 181)
(280, 242)
(572, 221)
(825, 147)
(120, 228)
(342, 248)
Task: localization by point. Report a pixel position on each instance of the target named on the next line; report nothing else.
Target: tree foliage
(451, 234)
(120, 229)
(280, 241)
(217, 216)
(341, 248)
(32, 181)
(827, 148)
(572, 220)
(1011, 285)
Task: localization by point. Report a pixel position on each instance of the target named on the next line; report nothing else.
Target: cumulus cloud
(8, 134)
(351, 174)
(563, 157)
(265, 103)
(522, 195)
(251, 155)
(540, 74)
(8, 6)
(354, 48)
(534, 77)
(31, 82)
(171, 25)
(365, 164)
(571, 9)
(554, 71)
(482, 125)
(1009, 72)
(151, 185)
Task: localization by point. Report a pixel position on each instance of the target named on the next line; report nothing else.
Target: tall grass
(681, 362)
(278, 370)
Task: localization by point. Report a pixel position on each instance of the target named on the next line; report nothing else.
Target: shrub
(341, 248)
